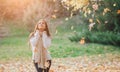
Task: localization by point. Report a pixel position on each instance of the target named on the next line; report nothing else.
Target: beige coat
(40, 45)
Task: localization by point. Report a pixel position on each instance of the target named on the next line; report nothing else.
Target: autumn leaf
(56, 32)
(82, 41)
(55, 11)
(90, 20)
(72, 27)
(91, 26)
(85, 15)
(114, 4)
(98, 21)
(95, 6)
(118, 12)
(66, 19)
(106, 10)
(54, 16)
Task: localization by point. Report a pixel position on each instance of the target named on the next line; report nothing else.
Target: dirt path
(108, 63)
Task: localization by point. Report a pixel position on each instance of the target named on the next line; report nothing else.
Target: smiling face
(41, 25)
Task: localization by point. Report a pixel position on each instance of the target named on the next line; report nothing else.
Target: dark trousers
(40, 69)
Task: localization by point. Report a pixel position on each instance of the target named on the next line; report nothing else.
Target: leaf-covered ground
(99, 63)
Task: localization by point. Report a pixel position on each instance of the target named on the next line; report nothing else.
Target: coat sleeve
(46, 40)
(34, 40)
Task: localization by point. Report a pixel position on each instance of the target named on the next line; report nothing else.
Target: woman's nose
(40, 24)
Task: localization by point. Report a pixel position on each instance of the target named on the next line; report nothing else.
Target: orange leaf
(118, 12)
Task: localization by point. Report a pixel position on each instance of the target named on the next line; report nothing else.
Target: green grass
(16, 46)
(64, 48)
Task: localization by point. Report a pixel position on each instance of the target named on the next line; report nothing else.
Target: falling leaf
(54, 0)
(106, 21)
(114, 4)
(66, 19)
(71, 14)
(103, 13)
(89, 11)
(74, 31)
(91, 26)
(84, 8)
(54, 16)
(95, 6)
(55, 11)
(56, 31)
(118, 12)
(90, 20)
(85, 15)
(98, 21)
(106, 10)
(72, 27)
(67, 8)
(82, 41)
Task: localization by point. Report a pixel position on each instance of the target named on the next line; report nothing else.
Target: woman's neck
(41, 30)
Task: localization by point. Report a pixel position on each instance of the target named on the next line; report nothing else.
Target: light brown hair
(36, 28)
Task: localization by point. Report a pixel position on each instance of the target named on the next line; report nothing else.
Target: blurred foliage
(102, 18)
(102, 15)
(44, 8)
(28, 12)
(107, 38)
(39, 9)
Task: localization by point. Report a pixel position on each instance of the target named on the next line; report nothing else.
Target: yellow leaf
(98, 21)
(56, 31)
(55, 10)
(103, 13)
(74, 31)
(71, 14)
(114, 4)
(89, 11)
(66, 19)
(106, 10)
(54, 16)
(106, 21)
(85, 14)
(95, 6)
(72, 27)
(90, 20)
(54, 0)
(67, 8)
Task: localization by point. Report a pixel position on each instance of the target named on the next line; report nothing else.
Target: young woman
(40, 40)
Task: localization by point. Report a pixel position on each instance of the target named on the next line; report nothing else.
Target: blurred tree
(13, 9)
(28, 12)
(43, 9)
(103, 14)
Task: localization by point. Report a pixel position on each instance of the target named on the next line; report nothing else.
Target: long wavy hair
(36, 28)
